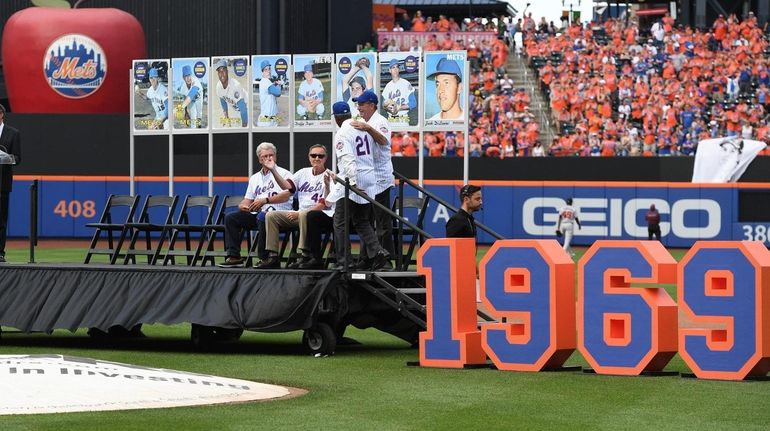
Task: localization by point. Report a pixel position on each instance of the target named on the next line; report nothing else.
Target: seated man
(262, 195)
(311, 192)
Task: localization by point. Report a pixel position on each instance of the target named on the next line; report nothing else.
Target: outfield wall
(523, 210)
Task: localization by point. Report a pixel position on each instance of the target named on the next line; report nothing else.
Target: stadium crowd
(614, 92)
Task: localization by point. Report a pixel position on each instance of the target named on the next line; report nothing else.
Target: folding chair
(183, 226)
(154, 204)
(119, 204)
(400, 230)
(217, 229)
(292, 234)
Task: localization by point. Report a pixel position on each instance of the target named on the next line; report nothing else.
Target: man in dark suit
(10, 142)
(462, 224)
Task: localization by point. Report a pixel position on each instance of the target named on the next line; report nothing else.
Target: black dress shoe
(313, 263)
(2, 259)
(272, 262)
(380, 261)
(298, 263)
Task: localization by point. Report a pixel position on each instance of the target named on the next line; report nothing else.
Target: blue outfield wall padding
(524, 210)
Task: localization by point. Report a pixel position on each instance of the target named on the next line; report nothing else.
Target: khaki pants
(277, 221)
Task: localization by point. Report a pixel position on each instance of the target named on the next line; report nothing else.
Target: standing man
(311, 95)
(311, 191)
(567, 216)
(157, 94)
(10, 142)
(262, 195)
(356, 163)
(653, 223)
(378, 127)
(269, 92)
(448, 78)
(462, 224)
(192, 104)
(230, 93)
(398, 94)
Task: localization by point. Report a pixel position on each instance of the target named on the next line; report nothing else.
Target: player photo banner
(151, 93)
(312, 99)
(271, 80)
(230, 82)
(190, 94)
(445, 90)
(399, 85)
(355, 74)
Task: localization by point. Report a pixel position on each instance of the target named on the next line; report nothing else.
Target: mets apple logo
(75, 66)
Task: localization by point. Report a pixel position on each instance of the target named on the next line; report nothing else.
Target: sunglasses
(317, 156)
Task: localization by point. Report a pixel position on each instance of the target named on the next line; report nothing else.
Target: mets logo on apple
(75, 66)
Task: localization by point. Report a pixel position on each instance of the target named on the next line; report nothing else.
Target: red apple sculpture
(62, 60)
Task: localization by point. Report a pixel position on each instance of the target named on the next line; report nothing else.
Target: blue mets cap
(220, 63)
(186, 70)
(308, 68)
(264, 64)
(153, 73)
(367, 96)
(393, 63)
(447, 66)
(341, 108)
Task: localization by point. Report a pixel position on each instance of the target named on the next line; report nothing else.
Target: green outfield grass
(370, 387)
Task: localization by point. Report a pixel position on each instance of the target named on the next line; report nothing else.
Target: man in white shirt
(567, 216)
(262, 195)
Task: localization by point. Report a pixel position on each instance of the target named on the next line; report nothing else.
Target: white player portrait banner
(399, 74)
(150, 108)
(230, 92)
(355, 74)
(446, 94)
(724, 160)
(313, 76)
(190, 94)
(271, 82)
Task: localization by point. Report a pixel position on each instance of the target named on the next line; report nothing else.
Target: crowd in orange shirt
(613, 92)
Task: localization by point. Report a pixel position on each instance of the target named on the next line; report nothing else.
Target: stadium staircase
(524, 77)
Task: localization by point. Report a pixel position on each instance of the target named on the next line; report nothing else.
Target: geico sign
(613, 217)
(625, 323)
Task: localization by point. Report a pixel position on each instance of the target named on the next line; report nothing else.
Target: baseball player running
(398, 94)
(230, 93)
(192, 105)
(157, 94)
(268, 94)
(311, 95)
(567, 216)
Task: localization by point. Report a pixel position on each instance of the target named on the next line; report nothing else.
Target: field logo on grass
(32, 384)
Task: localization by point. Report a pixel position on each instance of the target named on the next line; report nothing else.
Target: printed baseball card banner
(313, 74)
(151, 94)
(445, 90)
(271, 78)
(355, 74)
(399, 84)
(190, 84)
(230, 82)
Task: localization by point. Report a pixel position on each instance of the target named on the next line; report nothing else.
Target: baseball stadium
(384, 214)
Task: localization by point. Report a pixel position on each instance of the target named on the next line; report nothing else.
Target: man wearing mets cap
(311, 95)
(191, 108)
(157, 95)
(230, 93)
(268, 97)
(448, 78)
(355, 162)
(398, 94)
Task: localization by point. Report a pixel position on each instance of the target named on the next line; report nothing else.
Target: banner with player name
(399, 74)
(314, 76)
(230, 82)
(190, 95)
(446, 90)
(355, 74)
(271, 85)
(149, 102)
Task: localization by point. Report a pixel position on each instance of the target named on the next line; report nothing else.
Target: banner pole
(211, 163)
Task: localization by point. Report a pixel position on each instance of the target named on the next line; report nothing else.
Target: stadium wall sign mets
(70, 60)
(626, 324)
(31, 384)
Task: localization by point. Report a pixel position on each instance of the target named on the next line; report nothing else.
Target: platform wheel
(202, 337)
(227, 334)
(320, 339)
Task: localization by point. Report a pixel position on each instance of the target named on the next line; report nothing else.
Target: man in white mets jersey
(311, 95)
(230, 93)
(268, 98)
(157, 94)
(308, 185)
(192, 91)
(567, 217)
(398, 95)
